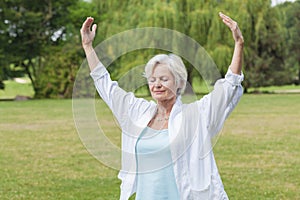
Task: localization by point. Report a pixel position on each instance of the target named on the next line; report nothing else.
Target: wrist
(88, 49)
(240, 42)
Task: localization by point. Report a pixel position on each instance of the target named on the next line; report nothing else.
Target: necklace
(162, 119)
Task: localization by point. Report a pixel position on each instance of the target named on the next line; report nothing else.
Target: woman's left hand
(236, 32)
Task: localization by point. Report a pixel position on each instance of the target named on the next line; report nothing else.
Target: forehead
(161, 70)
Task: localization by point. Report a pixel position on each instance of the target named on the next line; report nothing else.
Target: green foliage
(262, 26)
(33, 33)
(38, 34)
(58, 72)
(291, 12)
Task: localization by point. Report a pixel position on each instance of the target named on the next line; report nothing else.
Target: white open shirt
(191, 127)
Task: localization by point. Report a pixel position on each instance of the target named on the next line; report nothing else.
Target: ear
(181, 84)
(178, 92)
(180, 87)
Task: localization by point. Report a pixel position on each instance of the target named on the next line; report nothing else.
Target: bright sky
(274, 2)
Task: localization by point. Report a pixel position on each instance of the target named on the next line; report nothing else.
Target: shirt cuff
(234, 79)
(98, 71)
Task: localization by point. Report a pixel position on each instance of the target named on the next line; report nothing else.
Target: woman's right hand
(236, 32)
(88, 34)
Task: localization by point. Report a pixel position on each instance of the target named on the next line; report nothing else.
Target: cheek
(150, 87)
(171, 87)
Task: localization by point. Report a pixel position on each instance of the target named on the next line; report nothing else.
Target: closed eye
(151, 80)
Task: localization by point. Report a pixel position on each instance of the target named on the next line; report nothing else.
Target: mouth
(159, 92)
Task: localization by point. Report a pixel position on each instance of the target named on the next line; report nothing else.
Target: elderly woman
(166, 145)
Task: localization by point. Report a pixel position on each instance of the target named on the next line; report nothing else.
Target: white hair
(174, 64)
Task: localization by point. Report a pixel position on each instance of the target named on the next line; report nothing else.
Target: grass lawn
(13, 88)
(277, 89)
(42, 157)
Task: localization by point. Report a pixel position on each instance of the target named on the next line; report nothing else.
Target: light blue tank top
(155, 176)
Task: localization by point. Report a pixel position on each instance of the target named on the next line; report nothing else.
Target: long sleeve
(222, 100)
(123, 104)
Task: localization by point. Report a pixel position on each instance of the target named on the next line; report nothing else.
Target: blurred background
(40, 47)
(41, 154)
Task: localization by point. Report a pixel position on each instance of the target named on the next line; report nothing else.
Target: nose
(157, 83)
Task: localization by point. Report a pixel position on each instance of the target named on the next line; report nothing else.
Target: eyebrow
(159, 76)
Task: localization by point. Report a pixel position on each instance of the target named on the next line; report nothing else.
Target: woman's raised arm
(88, 32)
(237, 58)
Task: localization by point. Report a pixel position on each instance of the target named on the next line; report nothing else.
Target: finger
(87, 24)
(224, 16)
(94, 27)
(227, 23)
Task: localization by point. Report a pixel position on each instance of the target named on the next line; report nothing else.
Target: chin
(161, 98)
(158, 98)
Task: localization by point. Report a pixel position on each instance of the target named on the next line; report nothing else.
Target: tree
(33, 35)
(175, 15)
(265, 45)
(292, 23)
(260, 23)
(35, 31)
(3, 38)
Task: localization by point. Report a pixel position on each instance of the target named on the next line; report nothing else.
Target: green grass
(258, 152)
(12, 89)
(42, 157)
(277, 89)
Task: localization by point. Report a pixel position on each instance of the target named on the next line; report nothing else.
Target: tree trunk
(298, 81)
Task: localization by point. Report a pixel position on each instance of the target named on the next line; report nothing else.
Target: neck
(165, 106)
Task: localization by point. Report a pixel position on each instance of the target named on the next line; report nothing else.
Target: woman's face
(162, 83)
